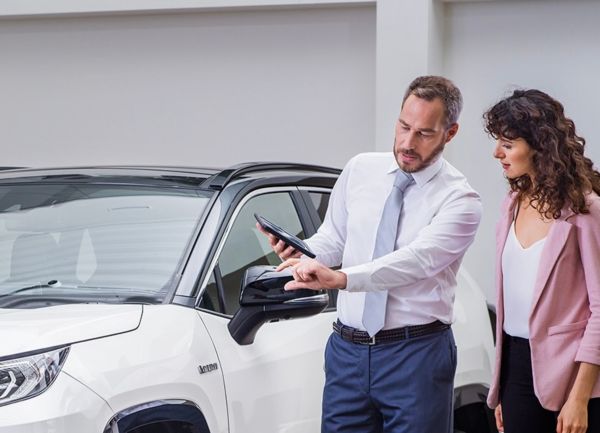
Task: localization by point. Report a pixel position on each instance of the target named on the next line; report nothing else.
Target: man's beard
(423, 163)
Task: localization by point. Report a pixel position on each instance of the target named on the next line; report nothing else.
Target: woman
(548, 271)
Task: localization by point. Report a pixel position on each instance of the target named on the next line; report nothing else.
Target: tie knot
(403, 180)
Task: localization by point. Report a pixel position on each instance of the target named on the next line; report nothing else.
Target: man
(399, 224)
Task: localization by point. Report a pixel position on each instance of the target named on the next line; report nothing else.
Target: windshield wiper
(52, 284)
(88, 294)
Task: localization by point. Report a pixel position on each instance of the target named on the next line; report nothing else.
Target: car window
(320, 200)
(65, 243)
(245, 246)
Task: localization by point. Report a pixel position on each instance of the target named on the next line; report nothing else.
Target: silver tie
(375, 302)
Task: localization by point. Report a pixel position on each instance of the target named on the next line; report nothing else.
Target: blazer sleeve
(589, 248)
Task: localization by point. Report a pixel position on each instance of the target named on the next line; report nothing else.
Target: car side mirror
(263, 299)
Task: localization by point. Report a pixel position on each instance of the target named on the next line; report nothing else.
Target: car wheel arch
(471, 414)
(141, 417)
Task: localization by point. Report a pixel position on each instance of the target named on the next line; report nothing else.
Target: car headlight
(30, 375)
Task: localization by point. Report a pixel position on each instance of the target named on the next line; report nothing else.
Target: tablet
(288, 238)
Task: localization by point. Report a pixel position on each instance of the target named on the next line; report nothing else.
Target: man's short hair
(430, 87)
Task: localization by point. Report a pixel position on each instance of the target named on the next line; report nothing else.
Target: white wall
(21, 8)
(493, 47)
(314, 84)
(200, 88)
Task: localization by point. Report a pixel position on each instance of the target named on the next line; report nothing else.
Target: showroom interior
(219, 83)
(214, 83)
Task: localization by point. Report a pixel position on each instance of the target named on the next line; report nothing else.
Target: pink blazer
(564, 322)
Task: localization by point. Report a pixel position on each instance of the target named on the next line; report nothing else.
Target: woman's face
(515, 156)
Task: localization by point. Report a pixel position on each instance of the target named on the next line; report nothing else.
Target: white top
(439, 219)
(519, 271)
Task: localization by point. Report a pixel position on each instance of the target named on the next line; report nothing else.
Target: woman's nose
(498, 152)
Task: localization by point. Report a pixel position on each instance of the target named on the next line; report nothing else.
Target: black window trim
(300, 206)
(316, 222)
(220, 288)
(312, 211)
(304, 213)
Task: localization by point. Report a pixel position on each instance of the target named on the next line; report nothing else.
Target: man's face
(421, 133)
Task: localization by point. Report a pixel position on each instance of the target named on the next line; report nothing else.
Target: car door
(274, 384)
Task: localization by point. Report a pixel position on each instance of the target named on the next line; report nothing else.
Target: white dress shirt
(439, 219)
(519, 271)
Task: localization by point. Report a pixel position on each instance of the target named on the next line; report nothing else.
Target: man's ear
(451, 132)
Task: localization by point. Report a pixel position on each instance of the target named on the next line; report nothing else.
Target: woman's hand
(499, 420)
(573, 417)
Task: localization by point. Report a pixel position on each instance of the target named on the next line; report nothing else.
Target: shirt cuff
(358, 278)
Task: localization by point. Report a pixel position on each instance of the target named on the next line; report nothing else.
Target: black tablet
(288, 238)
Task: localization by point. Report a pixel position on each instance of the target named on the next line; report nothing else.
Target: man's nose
(409, 140)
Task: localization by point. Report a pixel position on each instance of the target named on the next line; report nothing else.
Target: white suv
(131, 301)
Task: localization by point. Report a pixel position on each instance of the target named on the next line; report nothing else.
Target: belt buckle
(371, 342)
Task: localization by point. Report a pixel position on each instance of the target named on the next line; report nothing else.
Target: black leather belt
(356, 336)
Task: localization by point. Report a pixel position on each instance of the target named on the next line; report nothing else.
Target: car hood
(34, 329)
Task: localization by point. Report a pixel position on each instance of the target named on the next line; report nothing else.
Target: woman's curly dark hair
(563, 175)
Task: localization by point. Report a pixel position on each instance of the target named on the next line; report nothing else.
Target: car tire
(474, 418)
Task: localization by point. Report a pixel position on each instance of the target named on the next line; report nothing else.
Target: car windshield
(76, 243)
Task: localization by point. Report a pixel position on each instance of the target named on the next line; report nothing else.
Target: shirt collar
(422, 176)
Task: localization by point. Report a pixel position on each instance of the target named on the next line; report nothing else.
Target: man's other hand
(310, 274)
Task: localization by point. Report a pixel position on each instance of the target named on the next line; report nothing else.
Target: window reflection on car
(106, 243)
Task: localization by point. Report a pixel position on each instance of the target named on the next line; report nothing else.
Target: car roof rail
(219, 180)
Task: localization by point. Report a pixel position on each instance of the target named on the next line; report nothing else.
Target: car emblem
(208, 368)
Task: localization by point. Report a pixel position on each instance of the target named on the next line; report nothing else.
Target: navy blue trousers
(398, 387)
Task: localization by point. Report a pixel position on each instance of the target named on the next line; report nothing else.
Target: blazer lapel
(502, 229)
(555, 242)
